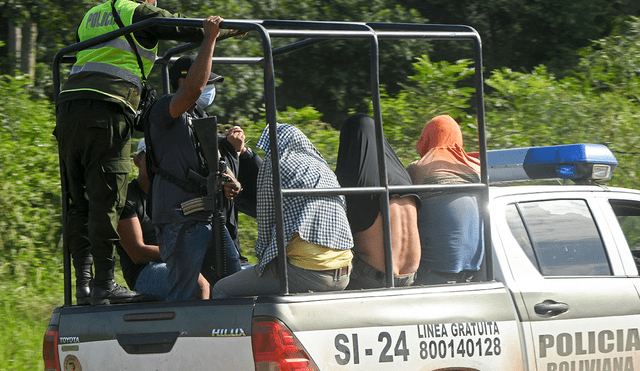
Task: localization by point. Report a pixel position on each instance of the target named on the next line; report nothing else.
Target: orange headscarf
(443, 161)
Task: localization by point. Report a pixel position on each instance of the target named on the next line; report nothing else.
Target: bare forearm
(132, 240)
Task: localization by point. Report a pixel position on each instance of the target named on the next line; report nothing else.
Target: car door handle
(550, 308)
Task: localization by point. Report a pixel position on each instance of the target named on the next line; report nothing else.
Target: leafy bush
(30, 257)
(29, 179)
(436, 88)
(598, 105)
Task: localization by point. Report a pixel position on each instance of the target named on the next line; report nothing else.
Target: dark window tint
(559, 237)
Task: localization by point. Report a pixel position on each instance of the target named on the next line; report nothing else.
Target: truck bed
(415, 327)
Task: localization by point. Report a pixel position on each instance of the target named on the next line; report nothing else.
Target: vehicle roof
(496, 191)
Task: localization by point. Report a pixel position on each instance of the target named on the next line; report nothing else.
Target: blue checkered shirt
(318, 220)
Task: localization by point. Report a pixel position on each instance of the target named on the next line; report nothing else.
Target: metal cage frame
(312, 33)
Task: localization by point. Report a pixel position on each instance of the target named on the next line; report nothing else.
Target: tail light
(275, 348)
(50, 350)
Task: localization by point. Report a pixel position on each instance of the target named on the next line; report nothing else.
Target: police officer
(95, 112)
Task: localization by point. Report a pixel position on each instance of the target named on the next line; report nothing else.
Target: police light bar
(579, 162)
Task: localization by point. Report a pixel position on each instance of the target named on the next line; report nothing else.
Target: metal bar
(170, 22)
(61, 56)
(297, 45)
(382, 166)
(277, 185)
(328, 34)
(439, 188)
(484, 171)
(180, 49)
(270, 107)
(454, 32)
(314, 33)
(238, 60)
(66, 253)
(321, 25)
(420, 26)
(430, 35)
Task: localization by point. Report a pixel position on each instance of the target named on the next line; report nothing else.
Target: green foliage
(334, 76)
(30, 260)
(611, 64)
(29, 175)
(522, 34)
(307, 119)
(435, 89)
(535, 109)
(599, 103)
(631, 227)
(322, 135)
(297, 116)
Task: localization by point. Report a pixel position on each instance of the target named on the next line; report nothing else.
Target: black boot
(83, 280)
(106, 291)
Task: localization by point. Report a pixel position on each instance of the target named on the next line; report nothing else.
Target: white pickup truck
(559, 289)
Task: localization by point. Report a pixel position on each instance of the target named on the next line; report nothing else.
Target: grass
(29, 295)
(26, 305)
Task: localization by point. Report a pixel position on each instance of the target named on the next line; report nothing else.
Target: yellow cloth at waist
(313, 257)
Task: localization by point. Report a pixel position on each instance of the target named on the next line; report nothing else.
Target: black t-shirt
(135, 206)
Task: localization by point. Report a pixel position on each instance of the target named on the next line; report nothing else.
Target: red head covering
(443, 158)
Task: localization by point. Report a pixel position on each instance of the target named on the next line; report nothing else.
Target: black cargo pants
(94, 143)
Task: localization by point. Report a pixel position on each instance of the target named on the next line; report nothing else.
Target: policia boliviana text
(95, 113)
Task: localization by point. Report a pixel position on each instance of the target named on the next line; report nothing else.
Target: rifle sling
(187, 185)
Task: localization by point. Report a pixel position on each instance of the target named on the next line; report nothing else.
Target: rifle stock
(214, 264)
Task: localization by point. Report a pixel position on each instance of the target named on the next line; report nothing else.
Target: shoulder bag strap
(116, 17)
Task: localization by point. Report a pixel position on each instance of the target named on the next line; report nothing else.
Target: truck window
(520, 233)
(559, 237)
(628, 214)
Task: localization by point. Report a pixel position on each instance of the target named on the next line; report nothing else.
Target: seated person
(316, 229)
(139, 254)
(449, 224)
(358, 167)
(244, 164)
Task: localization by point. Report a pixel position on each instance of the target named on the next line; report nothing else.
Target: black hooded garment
(358, 167)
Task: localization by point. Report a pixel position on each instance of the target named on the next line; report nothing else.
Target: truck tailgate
(195, 335)
(469, 327)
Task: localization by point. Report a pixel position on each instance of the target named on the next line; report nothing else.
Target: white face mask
(207, 96)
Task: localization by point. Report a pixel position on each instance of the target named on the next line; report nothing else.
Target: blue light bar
(579, 162)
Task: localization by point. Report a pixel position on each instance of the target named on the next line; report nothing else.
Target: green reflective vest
(113, 57)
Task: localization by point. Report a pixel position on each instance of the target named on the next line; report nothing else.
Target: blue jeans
(247, 282)
(184, 257)
(365, 276)
(153, 280)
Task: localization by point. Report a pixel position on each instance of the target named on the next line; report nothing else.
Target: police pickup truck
(559, 289)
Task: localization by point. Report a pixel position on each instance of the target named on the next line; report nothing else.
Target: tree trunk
(28, 55)
(14, 45)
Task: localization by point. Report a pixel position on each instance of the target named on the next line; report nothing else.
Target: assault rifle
(214, 265)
